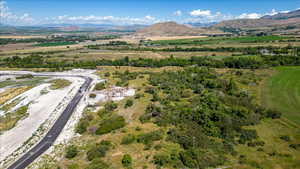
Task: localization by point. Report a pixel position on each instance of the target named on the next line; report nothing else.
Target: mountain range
(279, 23)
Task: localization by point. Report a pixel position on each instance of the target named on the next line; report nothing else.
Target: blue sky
(31, 12)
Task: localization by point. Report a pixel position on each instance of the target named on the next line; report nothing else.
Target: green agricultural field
(221, 40)
(55, 44)
(282, 93)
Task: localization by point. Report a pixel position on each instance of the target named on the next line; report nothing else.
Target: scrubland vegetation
(59, 84)
(193, 117)
(235, 111)
(9, 120)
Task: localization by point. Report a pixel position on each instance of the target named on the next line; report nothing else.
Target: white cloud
(250, 16)
(287, 11)
(102, 20)
(257, 15)
(200, 13)
(274, 12)
(205, 16)
(9, 17)
(148, 17)
(177, 13)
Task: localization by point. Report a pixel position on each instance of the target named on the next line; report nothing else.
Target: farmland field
(187, 85)
(220, 40)
(283, 93)
(55, 44)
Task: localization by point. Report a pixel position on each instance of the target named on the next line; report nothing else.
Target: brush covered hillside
(169, 29)
(279, 23)
(173, 29)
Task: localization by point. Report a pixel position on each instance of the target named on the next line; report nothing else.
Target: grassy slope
(283, 93)
(276, 153)
(280, 92)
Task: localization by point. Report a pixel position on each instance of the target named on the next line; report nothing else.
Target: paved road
(56, 129)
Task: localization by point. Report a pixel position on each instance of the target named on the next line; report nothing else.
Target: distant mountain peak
(169, 29)
(282, 16)
(279, 23)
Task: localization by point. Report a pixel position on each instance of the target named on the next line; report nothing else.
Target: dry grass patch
(11, 93)
(9, 120)
(20, 37)
(59, 84)
(276, 153)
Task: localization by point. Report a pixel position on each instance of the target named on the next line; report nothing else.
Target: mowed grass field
(282, 93)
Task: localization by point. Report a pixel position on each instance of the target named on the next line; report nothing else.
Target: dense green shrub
(108, 125)
(73, 166)
(295, 146)
(285, 138)
(100, 86)
(247, 135)
(194, 158)
(98, 164)
(138, 96)
(279, 57)
(27, 76)
(107, 74)
(128, 139)
(110, 106)
(99, 150)
(256, 143)
(128, 103)
(126, 160)
(93, 95)
(145, 118)
(82, 126)
(148, 138)
(71, 152)
(215, 108)
(273, 114)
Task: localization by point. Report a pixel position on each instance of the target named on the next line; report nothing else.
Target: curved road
(56, 129)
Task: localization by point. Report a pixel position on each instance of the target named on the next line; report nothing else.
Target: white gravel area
(3, 90)
(43, 110)
(27, 97)
(6, 77)
(114, 94)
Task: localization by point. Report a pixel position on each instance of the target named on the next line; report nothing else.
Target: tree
(71, 152)
(127, 160)
(128, 103)
(273, 114)
(98, 164)
(110, 106)
(100, 86)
